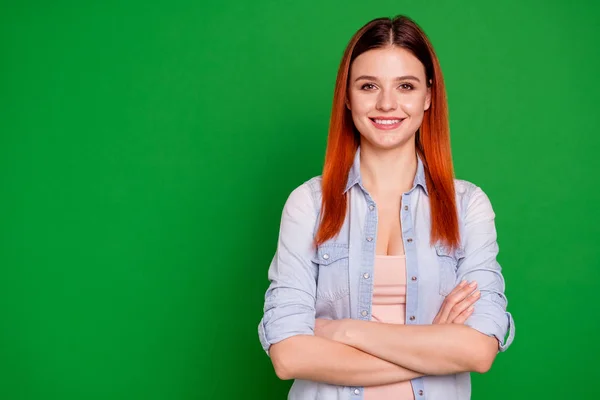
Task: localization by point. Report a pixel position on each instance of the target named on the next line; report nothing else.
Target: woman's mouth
(386, 124)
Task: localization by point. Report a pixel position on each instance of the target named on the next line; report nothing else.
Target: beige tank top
(389, 306)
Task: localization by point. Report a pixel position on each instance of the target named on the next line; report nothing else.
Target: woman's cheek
(363, 105)
(413, 104)
(409, 105)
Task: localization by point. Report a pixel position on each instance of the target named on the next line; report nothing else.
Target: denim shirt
(335, 280)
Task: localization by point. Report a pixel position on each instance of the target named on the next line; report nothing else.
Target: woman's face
(387, 96)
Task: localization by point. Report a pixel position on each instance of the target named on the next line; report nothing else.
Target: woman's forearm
(322, 360)
(428, 349)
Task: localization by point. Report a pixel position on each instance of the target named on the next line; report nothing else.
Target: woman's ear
(428, 98)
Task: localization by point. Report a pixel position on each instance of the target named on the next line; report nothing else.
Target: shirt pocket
(332, 261)
(447, 261)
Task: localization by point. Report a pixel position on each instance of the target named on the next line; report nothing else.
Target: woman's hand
(458, 305)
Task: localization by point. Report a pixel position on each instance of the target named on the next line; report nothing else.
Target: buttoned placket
(412, 283)
(368, 256)
(365, 287)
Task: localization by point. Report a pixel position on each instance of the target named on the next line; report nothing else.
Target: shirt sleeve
(289, 307)
(479, 264)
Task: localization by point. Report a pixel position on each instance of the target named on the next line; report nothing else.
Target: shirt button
(406, 208)
(371, 207)
(414, 278)
(420, 393)
(326, 256)
(363, 313)
(366, 275)
(412, 318)
(356, 391)
(409, 240)
(369, 239)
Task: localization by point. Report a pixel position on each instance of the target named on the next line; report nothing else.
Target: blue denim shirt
(335, 281)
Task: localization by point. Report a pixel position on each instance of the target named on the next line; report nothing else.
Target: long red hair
(432, 138)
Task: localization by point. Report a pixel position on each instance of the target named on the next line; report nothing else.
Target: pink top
(389, 304)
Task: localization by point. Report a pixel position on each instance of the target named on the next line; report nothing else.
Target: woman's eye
(367, 86)
(407, 86)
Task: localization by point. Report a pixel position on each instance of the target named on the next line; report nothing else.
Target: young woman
(385, 283)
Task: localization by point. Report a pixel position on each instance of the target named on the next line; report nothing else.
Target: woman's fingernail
(463, 282)
(473, 284)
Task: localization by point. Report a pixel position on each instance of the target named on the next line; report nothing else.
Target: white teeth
(387, 121)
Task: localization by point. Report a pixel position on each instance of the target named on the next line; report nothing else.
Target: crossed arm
(363, 353)
(427, 349)
(318, 359)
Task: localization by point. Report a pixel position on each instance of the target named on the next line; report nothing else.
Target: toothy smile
(387, 123)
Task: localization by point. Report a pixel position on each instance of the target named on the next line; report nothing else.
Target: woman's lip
(386, 127)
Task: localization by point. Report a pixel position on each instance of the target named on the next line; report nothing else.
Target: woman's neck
(390, 172)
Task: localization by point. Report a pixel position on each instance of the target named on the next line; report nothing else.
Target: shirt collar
(355, 178)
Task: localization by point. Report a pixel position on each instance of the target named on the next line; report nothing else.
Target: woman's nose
(386, 101)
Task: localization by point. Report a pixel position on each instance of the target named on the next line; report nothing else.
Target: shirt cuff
(489, 327)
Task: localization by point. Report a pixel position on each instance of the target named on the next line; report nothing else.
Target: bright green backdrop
(146, 151)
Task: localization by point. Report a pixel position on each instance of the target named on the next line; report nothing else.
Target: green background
(146, 151)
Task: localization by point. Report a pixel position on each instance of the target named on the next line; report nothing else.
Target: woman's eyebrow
(400, 78)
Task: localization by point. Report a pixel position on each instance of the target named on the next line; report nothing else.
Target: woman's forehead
(387, 63)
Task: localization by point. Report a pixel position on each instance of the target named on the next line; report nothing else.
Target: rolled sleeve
(289, 307)
(479, 264)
